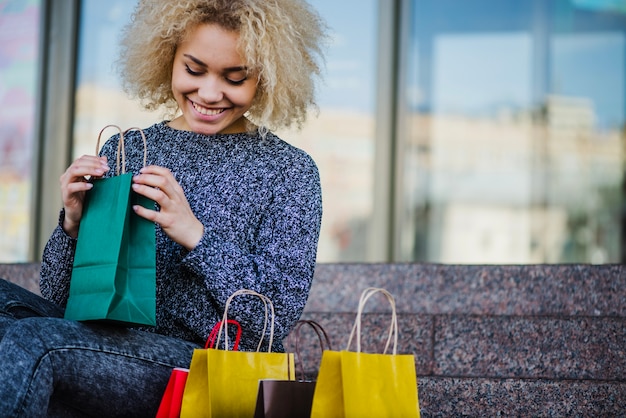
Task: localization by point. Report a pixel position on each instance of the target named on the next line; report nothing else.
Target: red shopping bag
(172, 399)
(173, 396)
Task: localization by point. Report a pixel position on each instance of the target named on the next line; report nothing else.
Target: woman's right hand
(74, 184)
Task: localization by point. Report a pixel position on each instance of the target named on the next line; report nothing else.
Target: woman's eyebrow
(195, 60)
(226, 70)
(235, 69)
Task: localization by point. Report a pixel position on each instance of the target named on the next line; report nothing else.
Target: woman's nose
(210, 89)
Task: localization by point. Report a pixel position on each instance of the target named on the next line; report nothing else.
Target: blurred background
(469, 132)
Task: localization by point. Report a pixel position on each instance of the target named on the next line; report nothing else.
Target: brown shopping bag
(361, 385)
(114, 272)
(224, 383)
(289, 398)
(172, 399)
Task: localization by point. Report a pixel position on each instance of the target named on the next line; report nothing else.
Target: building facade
(481, 131)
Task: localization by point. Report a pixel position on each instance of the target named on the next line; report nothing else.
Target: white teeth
(205, 111)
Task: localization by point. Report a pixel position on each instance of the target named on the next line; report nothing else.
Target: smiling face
(211, 83)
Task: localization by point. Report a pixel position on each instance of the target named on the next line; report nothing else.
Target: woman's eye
(238, 82)
(192, 72)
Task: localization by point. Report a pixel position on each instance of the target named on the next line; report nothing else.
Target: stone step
(538, 340)
(566, 290)
(23, 274)
(477, 397)
(591, 348)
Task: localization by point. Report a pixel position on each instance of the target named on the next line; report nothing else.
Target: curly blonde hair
(281, 40)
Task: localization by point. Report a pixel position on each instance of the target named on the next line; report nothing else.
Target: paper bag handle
(322, 337)
(145, 146)
(266, 302)
(210, 342)
(120, 147)
(393, 327)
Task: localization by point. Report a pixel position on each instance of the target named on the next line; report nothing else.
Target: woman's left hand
(175, 216)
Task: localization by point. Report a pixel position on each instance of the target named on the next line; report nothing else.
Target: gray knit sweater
(260, 202)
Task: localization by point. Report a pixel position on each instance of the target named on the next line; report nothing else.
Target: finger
(78, 187)
(146, 213)
(152, 180)
(156, 176)
(156, 194)
(160, 180)
(90, 160)
(86, 166)
(165, 220)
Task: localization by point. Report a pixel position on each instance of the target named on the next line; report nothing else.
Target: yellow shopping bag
(362, 385)
(224, 383)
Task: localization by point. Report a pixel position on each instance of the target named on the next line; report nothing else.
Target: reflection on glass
(513, 123)
(100, 100)
(19, 33)
(340, 139)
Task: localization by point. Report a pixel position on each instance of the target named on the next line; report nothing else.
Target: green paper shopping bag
(114, 273)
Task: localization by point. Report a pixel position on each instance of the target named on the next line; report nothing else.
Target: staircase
(493, 340)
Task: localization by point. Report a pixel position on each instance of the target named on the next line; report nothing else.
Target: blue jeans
(50, 366)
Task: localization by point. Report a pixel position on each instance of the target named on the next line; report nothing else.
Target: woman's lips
(206, 111)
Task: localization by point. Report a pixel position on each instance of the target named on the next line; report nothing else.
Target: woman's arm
(56, 265)
(280, 262)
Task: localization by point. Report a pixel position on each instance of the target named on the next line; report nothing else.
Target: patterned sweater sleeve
(280, 263)
(56, 266)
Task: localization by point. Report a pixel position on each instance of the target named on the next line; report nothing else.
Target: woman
(236, 207)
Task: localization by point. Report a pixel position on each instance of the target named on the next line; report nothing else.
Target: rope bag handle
(322, 336)
(393, 327)
(120, 148)
(266, 303)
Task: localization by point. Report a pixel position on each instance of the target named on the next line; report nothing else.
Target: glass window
(19, 48)
(341, 139)
(507, 146)
(511, 131)
(100, 100)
